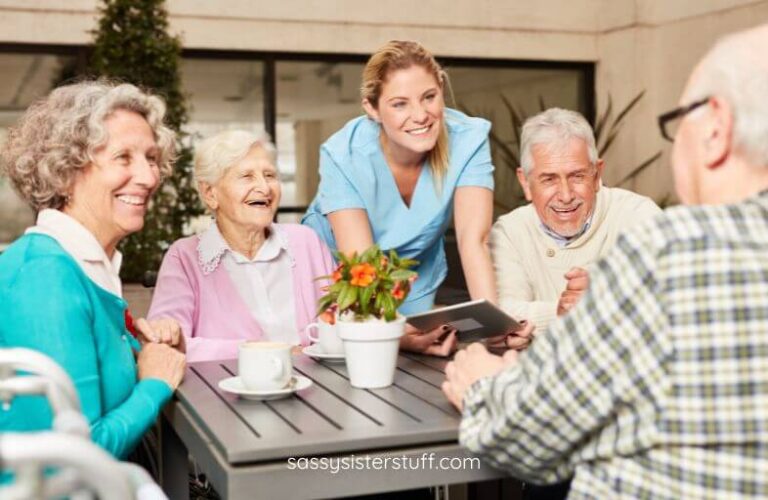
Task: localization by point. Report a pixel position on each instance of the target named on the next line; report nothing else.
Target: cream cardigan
(529, 264)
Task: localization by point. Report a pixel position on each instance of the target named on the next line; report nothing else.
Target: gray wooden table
(244, 447)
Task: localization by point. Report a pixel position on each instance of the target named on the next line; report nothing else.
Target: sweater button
(124, 336)
(550, 252)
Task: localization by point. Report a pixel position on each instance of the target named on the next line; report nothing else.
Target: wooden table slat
(260, 416)
(421, 371)
(407, 402)
(334, 379)
(437, 364)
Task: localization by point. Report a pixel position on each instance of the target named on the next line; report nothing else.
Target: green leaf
(401, 275)
(365, 299)
(348, 296)
(370, 253)
(388, 304)
(603, 119)
(628, 108)
(324, 303)
(639, 169)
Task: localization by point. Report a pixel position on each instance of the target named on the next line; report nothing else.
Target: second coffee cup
(327, 337)
(264, 366)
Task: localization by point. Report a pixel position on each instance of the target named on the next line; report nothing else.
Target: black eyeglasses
(668, 123)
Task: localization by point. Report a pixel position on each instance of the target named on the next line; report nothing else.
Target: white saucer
(235, 386)
(314, 351)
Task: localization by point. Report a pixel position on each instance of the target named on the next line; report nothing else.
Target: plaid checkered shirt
(656, 384)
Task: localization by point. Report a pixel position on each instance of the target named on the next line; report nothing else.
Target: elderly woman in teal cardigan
(87, 159)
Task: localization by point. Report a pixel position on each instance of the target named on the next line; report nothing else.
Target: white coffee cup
(264, 366)
(327, 337)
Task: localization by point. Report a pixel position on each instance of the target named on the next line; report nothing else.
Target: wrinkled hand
(470, 365)
(162, 362)
(577, 283)
(161, 331)
(429, 342)
(518, 339)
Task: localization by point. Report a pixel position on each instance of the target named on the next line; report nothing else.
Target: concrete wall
(637, 44)
(657, 52)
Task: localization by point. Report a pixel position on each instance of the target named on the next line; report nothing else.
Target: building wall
(638, 45)
(657, 52)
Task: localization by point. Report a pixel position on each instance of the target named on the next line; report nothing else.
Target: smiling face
(248, 194)
(410, 110)
(110, 197)
(562, 185)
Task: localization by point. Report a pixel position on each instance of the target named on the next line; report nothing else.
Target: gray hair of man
(218, 153)
(736, 69)
(554, 128)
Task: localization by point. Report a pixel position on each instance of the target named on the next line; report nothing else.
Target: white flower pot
(370, 349)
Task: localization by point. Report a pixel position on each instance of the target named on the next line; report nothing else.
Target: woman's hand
(161, 362)
(430, 342)
(518, 339)
(161, 331)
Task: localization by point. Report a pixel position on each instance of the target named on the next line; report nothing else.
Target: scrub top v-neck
(355, 174)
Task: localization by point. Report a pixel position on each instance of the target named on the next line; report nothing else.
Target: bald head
(736, 70)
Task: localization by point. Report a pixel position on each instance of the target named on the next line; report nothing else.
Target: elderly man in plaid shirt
(656, 384)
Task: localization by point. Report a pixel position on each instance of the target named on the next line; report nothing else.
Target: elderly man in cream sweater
(541, 250)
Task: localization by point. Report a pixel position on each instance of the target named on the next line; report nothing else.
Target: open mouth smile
(259, 203)
(420, 130)
(136, 201)
(565, 212)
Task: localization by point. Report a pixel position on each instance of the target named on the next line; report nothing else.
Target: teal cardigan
(47, 303)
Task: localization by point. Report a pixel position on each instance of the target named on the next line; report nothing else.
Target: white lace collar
(212, 246)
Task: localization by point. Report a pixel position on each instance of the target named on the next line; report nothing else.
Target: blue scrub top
(355, 174)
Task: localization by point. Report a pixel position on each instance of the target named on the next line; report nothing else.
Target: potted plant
(362, 301)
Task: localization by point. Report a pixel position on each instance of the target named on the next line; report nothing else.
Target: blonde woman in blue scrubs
(395, 177)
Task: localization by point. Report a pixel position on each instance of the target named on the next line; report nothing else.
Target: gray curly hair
(57, 136)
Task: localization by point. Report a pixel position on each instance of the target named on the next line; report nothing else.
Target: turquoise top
(355, 174)
(48, 304)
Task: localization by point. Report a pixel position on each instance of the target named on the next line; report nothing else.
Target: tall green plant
(506, 150)
(132, 44)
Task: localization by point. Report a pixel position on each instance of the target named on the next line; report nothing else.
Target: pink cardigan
(213, 317)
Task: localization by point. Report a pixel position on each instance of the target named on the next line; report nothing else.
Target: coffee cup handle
(308, 329)
(277, 374)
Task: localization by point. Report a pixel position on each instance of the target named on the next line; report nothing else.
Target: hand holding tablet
(474, 320)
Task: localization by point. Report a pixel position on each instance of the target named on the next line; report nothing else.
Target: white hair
(554, 128)
(217, 154)
(736, 69)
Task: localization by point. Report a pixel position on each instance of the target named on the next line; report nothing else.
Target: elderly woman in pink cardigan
(245, 277)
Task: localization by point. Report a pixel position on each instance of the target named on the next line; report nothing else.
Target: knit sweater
(47, 303)
(213, 316)
(530, 266)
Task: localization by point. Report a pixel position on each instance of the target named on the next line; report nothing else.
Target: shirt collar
(212, 246)
(562, 241)
(74, 238)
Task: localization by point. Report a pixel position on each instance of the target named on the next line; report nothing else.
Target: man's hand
(470, 365)
(161, 331)
(577, 283)
(441, 341)
(518, 339)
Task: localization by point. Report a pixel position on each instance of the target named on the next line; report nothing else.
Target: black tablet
(473, 320)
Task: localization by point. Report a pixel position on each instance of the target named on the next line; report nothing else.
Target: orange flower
(336, 276)
(397, 292)
(413, 278)
(362, 274)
